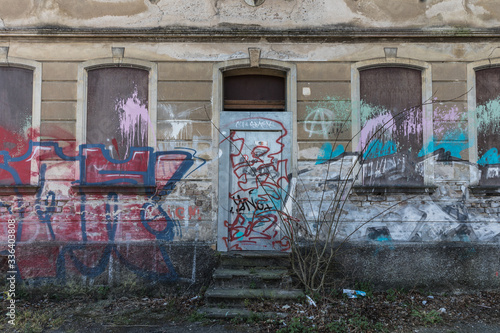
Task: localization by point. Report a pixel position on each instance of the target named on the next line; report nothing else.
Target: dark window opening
(254, 92)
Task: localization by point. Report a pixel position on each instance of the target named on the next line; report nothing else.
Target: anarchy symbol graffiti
(319, 121)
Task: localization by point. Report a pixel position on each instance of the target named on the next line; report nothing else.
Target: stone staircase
(247, 276)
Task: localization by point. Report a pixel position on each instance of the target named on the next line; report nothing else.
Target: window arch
(116, 121)
(483, 86)
(132, 89)
(392, 121)
(20, 99)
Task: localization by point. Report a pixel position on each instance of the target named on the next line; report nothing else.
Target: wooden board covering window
(393, 93)
(254, 92)
(16, 103)
(488, 134)
(117, 109)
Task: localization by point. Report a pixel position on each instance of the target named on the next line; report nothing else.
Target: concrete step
(243, 259)
(261, 273)
(256, 277)
(237, 296)
(222, 313)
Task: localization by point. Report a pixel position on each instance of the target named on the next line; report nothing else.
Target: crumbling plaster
(276, 13)
(166, 51)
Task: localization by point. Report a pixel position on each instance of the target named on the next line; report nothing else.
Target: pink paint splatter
(371, 126)
(443, 116)
(134, 121)
(386, 126)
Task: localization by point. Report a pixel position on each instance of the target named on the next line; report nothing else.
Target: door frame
(220, 183)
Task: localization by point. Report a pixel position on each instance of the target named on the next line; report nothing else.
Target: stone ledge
(485, 190)
(245, 33)
(402, 189)
(18, 189)
(125, 189)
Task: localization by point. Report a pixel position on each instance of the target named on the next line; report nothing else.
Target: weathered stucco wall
(280, 14)
(165, 228)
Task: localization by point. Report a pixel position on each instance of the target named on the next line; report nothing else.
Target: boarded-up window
(117, 109)
(488, 124)
(16, 104)
(254, 92)
(391, 120)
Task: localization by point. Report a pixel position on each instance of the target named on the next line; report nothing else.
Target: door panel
(255, 194)
(253, 181)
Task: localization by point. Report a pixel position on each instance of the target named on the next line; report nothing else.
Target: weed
(33, 321)
(246, 302)
(316, 296)
(253, 271)
(364, 325)
(392, 295)
(253, 285)
(254, 318)
(196, 316)
(360, 322)
(367, 287)
(236, 320)
(428, 317)
(298, 325)
(337, 326)
(102, 292)
(203, 289)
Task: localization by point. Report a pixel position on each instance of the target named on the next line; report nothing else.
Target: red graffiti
(258, 191)
(60, 231)
(104, 169)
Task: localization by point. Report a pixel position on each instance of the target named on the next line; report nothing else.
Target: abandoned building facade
(140, 137)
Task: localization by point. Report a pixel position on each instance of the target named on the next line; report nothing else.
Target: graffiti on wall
(97, 229)
(389, 145)
(258, 187)
(448, 143)
(488, 118)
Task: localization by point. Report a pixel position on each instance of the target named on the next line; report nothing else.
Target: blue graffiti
(450, 146)
(490, 157)
(326, 153)
(46, 207)
(377, 148)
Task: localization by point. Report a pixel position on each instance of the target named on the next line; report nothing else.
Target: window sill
(485, 190)
(124, 189)
(402, 189)
(18, 189)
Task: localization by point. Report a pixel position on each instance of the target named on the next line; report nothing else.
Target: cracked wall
(284, 14)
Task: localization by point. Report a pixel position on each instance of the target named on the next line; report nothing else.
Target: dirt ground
(390, 311)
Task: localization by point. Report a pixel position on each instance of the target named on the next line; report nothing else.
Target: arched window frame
(36, 67)
(83, 68)
(472, 116)
(427, 110)
(81, 111)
